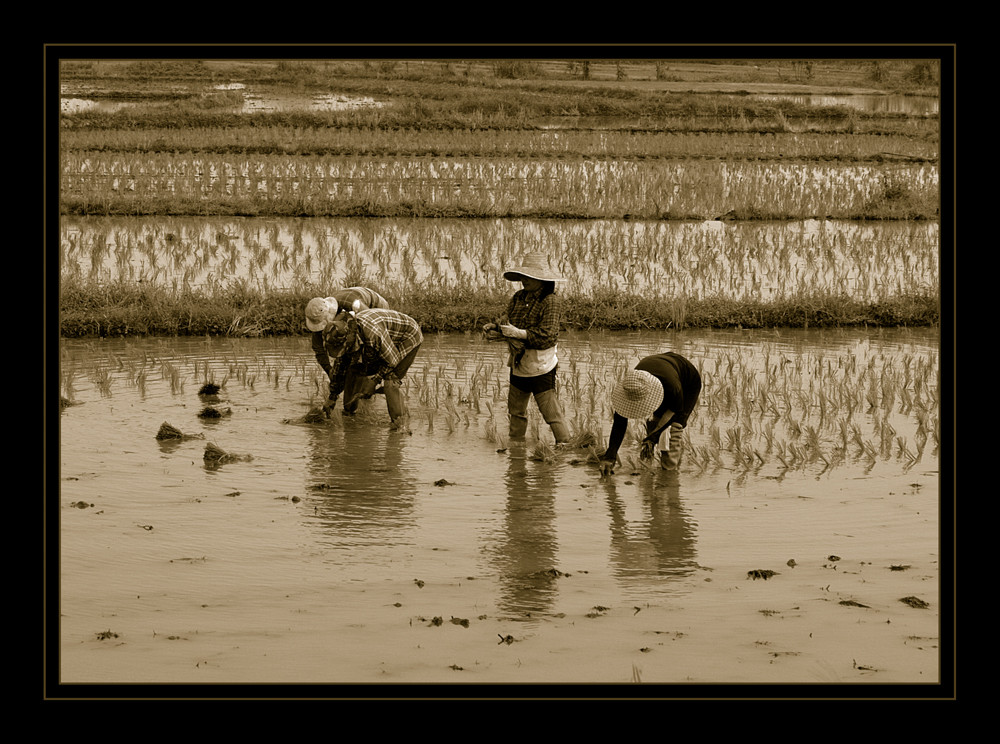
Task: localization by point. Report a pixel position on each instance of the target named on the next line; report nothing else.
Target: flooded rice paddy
(798, 544)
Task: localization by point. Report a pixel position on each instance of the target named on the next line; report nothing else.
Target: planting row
(660, 260)
(654, 189)
(769, 404)
(746, 140)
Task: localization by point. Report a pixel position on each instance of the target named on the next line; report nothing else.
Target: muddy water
(342, 552)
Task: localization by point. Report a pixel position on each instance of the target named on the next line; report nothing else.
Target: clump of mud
(215, 455)
(170, 432)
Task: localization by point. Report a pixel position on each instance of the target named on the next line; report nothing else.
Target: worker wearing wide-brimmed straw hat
(531, 329)
(662, 390)
(321, 310)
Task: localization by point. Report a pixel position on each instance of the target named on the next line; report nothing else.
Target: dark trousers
(391, 386)
(543, 388)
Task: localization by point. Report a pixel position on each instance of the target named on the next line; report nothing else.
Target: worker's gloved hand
(513, 332)
(490, 327)
(607, 467)
(367, 387)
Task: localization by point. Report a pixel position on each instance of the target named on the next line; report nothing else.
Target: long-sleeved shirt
(386, 337)
(539, 318)
(681, 387)
(345, 298)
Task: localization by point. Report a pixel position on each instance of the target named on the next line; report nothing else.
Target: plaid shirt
(538, 316)
(386, 337)
(345, 298)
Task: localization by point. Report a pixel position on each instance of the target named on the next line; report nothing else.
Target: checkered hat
(637, 395)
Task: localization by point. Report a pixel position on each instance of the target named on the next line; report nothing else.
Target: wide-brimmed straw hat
(319, 311)
(637, 395)
(534, 266)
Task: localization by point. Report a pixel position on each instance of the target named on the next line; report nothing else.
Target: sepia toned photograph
(499, 372)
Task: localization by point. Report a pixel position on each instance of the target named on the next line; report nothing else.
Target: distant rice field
(469, 186)
(768, 260)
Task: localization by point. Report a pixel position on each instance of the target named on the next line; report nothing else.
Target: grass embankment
(126, 308)
(195, 156)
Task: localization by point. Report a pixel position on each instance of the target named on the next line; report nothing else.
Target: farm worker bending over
(321, 310)
(377, 347)
(531, 331)
(662, 390)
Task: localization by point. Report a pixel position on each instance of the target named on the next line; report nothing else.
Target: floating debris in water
(915, 602)
(761, 573)
(443, 482)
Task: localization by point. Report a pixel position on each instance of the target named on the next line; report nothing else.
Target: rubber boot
(394, 398)
(548, 405)
(517, 410)
(671, 459)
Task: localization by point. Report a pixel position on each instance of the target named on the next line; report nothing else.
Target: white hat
(533, 266)
(637, 395)
(319, 312)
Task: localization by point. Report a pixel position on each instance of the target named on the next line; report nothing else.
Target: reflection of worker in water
(526, 553)
(360, 487)
(662, 390)
(661, 543)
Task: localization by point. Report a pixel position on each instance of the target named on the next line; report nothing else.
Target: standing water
(799, 542)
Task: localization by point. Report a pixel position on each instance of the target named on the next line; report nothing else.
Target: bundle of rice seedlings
(582, 439)
(209, 388)
(543, 452)
(314, 416)
(217, 456)
(209, 412)
(168, 431)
